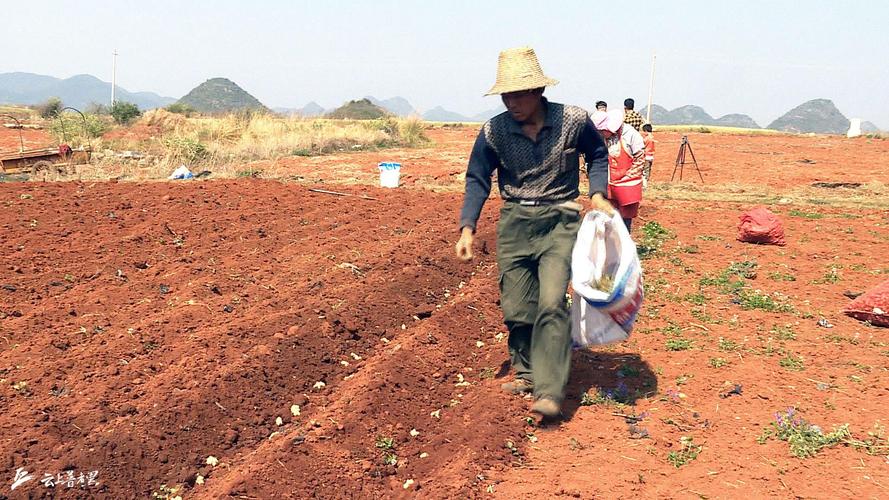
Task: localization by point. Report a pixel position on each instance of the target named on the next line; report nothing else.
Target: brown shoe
(518, 386)
(547, 407)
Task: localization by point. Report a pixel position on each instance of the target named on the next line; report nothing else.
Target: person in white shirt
(626, 158)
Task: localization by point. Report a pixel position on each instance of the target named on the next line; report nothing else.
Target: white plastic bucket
(390, 173)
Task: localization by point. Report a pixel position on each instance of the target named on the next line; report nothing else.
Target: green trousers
(534, 245)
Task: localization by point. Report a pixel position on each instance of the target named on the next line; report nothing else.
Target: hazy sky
(756, 57)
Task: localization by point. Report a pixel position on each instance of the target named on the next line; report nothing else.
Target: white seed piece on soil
(479, 344)
(460, 377)
(426, 455)
(344, 363)
(212, 461)
(499, 337)
(384, 340)
(435, 414)
(199, 480)
(279, 421)
(403, 326)
(408, 483)
(356, 357)
(415, 433)
(294, 410)
(319, 385)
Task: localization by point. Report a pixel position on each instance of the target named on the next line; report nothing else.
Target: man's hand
(601, 204)
(464, 245)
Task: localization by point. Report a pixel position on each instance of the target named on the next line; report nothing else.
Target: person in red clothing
(626, 156)
(648, 138)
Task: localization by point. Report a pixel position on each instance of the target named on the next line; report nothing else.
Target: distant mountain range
(695, 115)
(400, 106)
(220, 95)
(78, 91)
(818, 116)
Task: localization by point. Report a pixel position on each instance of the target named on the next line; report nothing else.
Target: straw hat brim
(519, 84)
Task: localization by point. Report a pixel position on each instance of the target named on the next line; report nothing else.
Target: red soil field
(145, 327)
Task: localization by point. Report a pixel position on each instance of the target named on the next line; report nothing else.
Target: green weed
(836, 339)
(628, 371)
(791, 362)
(385, 443)
(700, 315)
(805, 215)
(776, 276)
(784, 332)
(728, 281)
(727, 345)
(718, 362)
(653, 237)
(697, 298)
(832, 275)
(672, 330)
(678, 344)
(620, 395)
(688, 452)
(805, 439)
(750, 300)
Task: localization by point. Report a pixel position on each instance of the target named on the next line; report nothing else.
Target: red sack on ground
(873, 306)
(760, 225)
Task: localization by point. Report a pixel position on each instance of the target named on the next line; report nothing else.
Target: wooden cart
(38, 163)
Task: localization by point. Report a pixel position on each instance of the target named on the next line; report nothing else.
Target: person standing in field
(648, 138)
(631, 117)
(534, 147)
(626, 156)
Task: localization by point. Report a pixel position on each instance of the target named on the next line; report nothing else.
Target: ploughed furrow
(155, 325)
(424, 413)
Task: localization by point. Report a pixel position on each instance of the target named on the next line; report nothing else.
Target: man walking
(631, 117)
(534, 147)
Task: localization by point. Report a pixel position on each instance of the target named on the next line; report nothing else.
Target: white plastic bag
(607, 280)
(182, 172)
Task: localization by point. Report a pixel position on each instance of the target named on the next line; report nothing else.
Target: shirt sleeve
(592, 146)
(482, 162)
(634, 140)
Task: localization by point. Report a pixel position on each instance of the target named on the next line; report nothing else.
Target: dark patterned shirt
(633, 119)
(546, 170)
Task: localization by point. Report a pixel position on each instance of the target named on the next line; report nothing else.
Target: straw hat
(518, 69)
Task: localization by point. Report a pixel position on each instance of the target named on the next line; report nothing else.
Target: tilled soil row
(156, 325)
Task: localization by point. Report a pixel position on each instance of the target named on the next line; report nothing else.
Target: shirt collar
(548, 118)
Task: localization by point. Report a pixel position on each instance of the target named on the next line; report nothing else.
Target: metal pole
(113, 75)
(650, 88)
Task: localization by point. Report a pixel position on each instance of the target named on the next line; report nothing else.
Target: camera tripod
(680, 159)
